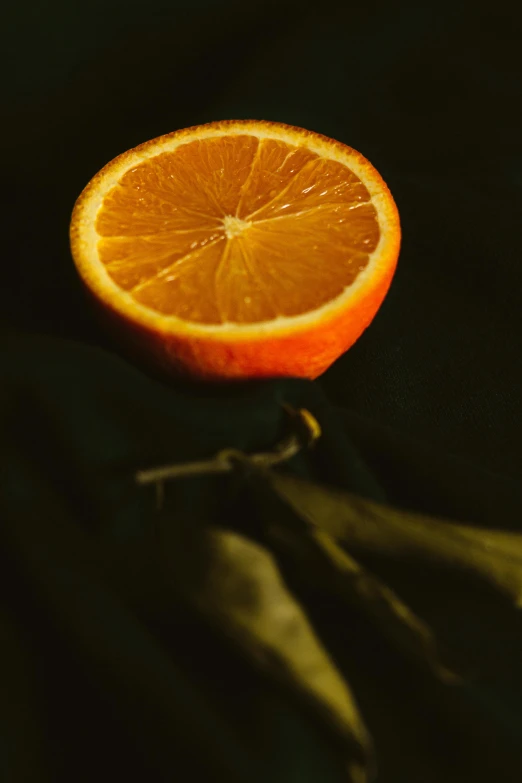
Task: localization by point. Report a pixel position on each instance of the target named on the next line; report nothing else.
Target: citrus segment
(273, 168)
(319, 183)
(184, 288)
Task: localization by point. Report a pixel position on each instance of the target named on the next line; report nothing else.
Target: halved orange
(238, 249)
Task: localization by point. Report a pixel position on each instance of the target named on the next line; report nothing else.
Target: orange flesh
(236, 229)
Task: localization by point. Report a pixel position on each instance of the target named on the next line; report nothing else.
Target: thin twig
(227, 459)
(222, 463)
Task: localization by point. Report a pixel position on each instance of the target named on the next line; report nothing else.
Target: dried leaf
(325, 563)
(236, 584)
(491, 556)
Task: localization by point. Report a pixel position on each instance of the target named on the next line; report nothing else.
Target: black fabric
(104, 675)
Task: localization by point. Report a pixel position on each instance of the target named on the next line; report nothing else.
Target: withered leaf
(236, 585)
(492, 556)
(325, 563)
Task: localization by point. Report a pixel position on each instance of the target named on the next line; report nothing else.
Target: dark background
(429, 92)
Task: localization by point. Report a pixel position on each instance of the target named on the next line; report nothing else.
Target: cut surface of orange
(238, 249)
